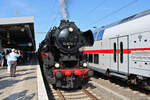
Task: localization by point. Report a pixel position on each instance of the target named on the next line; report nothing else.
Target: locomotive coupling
(59, 75)
(90, 73)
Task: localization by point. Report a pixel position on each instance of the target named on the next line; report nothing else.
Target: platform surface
(21, 87)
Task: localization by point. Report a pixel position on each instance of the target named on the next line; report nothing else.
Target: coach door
(114, 55)
(123, 54)
(119, 54)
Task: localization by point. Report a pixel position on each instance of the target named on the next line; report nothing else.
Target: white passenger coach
(123, 49)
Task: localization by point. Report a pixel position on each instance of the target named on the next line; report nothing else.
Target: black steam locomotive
(62, 62)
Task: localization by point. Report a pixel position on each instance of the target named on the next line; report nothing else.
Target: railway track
(113, 91)
(83, 94)
(99, 89)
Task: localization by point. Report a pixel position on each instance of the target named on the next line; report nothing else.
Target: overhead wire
(114, 12)
(96, 7)
(56, 16)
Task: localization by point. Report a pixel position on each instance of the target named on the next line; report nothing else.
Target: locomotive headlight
(84, 64)
(57, 65)
(70, 29)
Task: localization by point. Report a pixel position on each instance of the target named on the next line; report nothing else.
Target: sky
(85, 13)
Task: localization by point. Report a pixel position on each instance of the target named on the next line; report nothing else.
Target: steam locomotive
(63, 64)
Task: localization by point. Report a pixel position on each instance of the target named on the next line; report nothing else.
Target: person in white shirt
(8, 61)
(13, 61)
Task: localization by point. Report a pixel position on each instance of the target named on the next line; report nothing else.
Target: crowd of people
(10, 58)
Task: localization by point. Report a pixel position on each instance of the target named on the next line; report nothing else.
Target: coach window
(87, 57)
(95, 35)
(96, 58)
(114, 52)
(90, 58)
(121, 52)
(100, 35)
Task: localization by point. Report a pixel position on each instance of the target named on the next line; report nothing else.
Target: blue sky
(85, 13)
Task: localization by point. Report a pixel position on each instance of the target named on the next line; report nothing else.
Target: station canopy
(18, 33)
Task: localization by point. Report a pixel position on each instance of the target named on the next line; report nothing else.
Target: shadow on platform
(23, 70)
(20, 96)
(9, 83)
(1, 93)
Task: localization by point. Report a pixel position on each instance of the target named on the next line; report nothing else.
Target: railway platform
(27, 85)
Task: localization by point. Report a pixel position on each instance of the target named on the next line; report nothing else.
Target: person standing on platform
(2, 54)
(2, 59)
(13, 61)
(8, 61)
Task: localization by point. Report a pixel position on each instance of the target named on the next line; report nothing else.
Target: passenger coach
(123, 49)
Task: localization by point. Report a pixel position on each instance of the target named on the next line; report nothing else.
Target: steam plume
(63, 8)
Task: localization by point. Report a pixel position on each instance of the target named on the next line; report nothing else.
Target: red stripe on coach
(110, 51)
